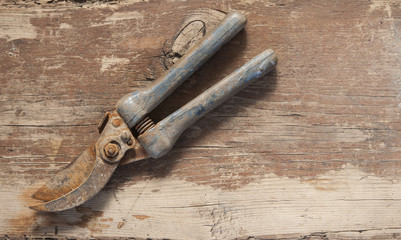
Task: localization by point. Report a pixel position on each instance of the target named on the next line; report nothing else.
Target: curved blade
(89, 173)
(98, 177)
(70, 178)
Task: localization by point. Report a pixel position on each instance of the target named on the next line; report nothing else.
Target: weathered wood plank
(311, 150)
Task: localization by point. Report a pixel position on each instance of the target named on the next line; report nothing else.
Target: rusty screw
(111, 150)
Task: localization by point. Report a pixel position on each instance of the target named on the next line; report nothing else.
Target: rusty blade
(70, 178)
(90, 172)
(95, 181)
(91, 184)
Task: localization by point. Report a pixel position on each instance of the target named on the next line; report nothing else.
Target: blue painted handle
(134, 106)
(159, 140)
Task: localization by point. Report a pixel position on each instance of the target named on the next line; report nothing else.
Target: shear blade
(69, 178)
(76, 184)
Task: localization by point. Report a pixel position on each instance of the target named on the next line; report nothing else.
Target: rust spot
(18, 112)
(22, 224)
(28, 221)
(25, 220)
(120, 225)
(89, 220)
(322, 184)
(106, 219)
(141, 217)
(88, 215)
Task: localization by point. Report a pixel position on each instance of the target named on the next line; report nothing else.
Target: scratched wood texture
(311, 151)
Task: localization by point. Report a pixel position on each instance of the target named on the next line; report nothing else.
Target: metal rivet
(116, 122)
(126, 137)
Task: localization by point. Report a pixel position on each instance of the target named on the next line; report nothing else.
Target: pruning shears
(128, 128)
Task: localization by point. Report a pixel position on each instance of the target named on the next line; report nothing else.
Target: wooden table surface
(311, 151)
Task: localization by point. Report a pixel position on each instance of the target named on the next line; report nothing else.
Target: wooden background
(311, 151)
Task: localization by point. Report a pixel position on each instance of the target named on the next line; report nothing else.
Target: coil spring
(144, 125)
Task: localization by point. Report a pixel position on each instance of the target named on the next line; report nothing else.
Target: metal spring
(144, 125)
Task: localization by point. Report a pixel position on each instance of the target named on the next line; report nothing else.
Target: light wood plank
(312, 150)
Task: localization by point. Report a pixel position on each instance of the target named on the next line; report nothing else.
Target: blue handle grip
(158, 140)
(134, 106)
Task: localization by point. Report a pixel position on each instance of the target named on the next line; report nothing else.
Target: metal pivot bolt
(111, 150)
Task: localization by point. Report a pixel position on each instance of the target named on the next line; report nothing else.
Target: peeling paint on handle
(159, 140)
(136, 105)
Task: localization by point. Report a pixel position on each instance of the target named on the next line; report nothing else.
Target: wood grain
(311, 151)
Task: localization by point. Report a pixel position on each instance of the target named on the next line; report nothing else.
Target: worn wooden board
(311, 151)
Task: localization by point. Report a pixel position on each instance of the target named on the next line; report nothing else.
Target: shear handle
(158, 140)
(138, 104)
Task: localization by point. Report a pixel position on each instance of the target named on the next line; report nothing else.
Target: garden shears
(128, 128)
